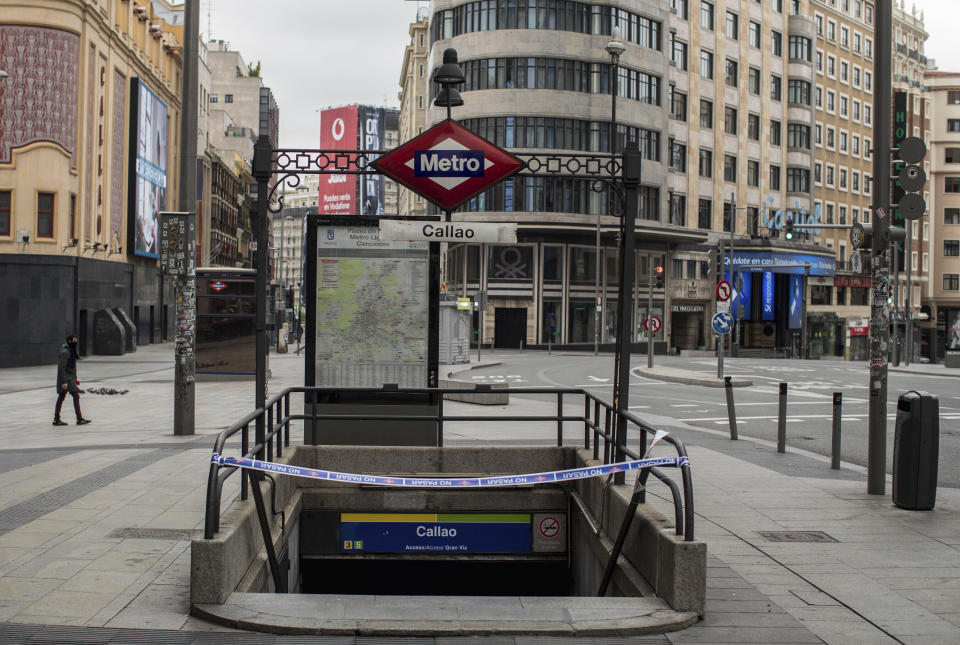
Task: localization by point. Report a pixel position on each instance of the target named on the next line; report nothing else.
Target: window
(777, 5)
(798, 180)
(867, 81)
(831, 30)
(799, 48)
(951, 281)
(844, 106)
(678, 105)
(819, 61)
(676, 268)
(228, 98)
(821, 294)
(951, 248)
(818, 134)
(868, 47)
(731, 73)
(776, 87)
(857, 43)
(843, 214)
(844, 71)
(953, 97)
(678, 209)
(706, 64)
(45, 204)
(844, 36)
(753, 127)
(730, 120)
(950, 215)
(819, 97)
(4, 213)
(753, 173)
(842, 184)
(774, 133)
(679, 55)
(754, 34)
(855, 145)
(728, 217)
(831, 101)
(831, 66)
(733, 26)
(705, 214)
(856, 76)
(774, 177)
(798, 136)
(819, 20)
(678, 156)
(798, 91)
(730, 168)
(855, 112)
(951, 184)
(420, 70)
(842, 140)
(776, 43)
(753, 80)
(828, 174)
(818, 177)
(679, 7)
(706, 113)
(855, 181)
(706, 15)
(953, 125)
(706, 163)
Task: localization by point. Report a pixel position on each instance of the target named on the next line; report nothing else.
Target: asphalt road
(811, 384)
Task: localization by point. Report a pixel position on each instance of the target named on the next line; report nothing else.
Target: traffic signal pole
(879, 309)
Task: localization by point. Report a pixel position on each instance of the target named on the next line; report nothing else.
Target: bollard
(835, 449)
(731, 411)
(782, 420)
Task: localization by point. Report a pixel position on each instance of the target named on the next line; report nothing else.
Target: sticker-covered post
(879, 308)
(178, 253)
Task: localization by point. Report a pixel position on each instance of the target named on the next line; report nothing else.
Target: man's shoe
(81, 422)
(58, 422)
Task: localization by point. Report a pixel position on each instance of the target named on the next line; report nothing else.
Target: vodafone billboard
(338, 131)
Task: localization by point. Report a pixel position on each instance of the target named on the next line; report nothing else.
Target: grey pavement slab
(892, 575)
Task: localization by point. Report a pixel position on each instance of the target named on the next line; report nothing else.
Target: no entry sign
(448, 164)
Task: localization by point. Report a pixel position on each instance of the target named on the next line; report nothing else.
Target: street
(684, 408)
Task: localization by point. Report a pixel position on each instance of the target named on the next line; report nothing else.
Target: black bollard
(782, 420)
(731, 411)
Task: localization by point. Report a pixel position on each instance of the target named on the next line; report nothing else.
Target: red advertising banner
(338, 131)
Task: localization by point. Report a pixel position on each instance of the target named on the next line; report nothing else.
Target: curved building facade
(703, 88)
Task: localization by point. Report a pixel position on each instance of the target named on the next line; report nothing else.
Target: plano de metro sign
(448, 164)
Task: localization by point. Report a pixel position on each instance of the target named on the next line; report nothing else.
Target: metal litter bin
(916, 449)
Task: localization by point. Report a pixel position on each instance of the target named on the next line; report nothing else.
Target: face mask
(72, 343)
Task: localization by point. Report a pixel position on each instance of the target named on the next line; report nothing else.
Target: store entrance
(510, 327)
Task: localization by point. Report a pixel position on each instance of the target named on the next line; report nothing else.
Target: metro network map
(372, 309)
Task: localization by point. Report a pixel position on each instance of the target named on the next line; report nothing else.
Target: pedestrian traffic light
(658, 273)
(788, 229)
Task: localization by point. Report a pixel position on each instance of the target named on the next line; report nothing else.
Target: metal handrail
(598, 433)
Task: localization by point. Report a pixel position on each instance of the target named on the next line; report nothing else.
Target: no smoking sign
(549, 532)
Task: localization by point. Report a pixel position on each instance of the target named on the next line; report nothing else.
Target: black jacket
(66, 370)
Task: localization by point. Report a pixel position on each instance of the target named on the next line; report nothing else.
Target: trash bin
(916, 448)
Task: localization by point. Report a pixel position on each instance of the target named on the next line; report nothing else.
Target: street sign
(652, 324)
(722, 322)
(723, 291)
(723, 306)
(448, 164)
(218, 285)
(391, 229)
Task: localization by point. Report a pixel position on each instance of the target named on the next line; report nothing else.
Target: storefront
(826, 335)
(858, 337)
(687, 325)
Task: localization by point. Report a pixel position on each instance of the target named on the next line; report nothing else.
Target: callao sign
(448, 165)
(448, 231)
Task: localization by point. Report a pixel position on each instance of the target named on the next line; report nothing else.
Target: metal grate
(156, 534)
(796, 536)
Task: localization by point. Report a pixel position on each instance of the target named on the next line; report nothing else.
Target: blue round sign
(722, 322)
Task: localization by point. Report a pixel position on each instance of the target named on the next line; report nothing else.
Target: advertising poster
(338, 131)
(796, 302)
(148, 171)
(741, 296)
(953, 330)
(372, 135)
(767, 291)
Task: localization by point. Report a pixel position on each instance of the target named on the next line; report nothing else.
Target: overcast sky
(320, 53)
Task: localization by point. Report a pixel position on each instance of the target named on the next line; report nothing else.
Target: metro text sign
(448, 164)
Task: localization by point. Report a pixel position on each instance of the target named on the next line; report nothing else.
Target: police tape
(451, 482)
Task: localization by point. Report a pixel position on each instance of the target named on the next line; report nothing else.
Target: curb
(689, 380)
(901, 370)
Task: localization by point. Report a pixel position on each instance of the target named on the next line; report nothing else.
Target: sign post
(723, 306)
(178, 251)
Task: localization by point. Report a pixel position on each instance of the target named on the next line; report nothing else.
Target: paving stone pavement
(71, 570)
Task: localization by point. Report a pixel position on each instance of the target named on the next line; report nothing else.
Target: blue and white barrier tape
(451, 482)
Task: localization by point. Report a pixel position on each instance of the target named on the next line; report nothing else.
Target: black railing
(598, 420)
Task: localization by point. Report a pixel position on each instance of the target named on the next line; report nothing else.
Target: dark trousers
(76, 404)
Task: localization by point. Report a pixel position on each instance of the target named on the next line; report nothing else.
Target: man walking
(67, 380)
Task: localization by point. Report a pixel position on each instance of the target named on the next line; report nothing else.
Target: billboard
(372, 136)
(148, 169)
(338, 131)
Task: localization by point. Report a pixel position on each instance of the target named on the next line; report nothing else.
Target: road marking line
(684, 405)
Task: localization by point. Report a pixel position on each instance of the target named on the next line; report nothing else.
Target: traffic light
(658, 274)
(911, 178)
(712, 265)
(289, 298)
(788, 229)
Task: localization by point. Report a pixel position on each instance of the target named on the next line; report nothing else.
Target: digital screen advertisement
(148, 169)
(338, 131)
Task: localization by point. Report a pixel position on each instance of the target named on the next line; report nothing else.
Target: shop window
(552, 264)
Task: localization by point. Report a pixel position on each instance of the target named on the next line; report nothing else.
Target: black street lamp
(446, 76)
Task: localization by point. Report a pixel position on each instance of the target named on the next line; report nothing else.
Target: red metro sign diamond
(448, 164)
